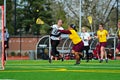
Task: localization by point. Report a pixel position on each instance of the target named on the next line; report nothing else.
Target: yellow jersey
(118, 33)
(102, 35)
(74, 37)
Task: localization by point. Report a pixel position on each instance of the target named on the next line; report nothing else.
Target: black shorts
(6, 44)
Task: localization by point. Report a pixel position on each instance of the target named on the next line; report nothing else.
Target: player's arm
(51, 27)
(107, 33)
(65, 31)
(118, 34)
(56, 35)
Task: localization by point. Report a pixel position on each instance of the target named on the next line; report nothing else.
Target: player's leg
(52, 50)
(77, 49)
(77, 57)
(106, 57)
(117, 49)
(53, 47)
(56, 51)
(101, 54)
(58, 56)
(5, 43)
(87, 53)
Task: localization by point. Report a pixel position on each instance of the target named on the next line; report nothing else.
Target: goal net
(1, 37)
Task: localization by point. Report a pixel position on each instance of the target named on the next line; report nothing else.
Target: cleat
(106, 60)
(101, 61)
(62, 59)
(76, 63)
(87, 61)
(50, 61)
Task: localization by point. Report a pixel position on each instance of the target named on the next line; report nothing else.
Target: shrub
(12, 53)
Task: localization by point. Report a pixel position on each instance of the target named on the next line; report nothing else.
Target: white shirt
(55, 32)
(85, 37)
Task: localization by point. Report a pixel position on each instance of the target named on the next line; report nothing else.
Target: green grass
(42, 70)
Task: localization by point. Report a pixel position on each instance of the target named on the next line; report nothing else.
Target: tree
(58, 12)
(9, 15)
(1, 2)
(51, 10)
(27, 13)
(100, 11)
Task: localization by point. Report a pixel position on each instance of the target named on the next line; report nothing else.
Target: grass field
(42, 70)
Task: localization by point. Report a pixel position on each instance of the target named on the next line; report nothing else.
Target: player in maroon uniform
(118, 46)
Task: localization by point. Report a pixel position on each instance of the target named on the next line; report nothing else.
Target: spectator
(6, 41)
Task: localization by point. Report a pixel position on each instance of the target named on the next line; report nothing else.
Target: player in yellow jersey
(118, 46)
(77, 41)
(102, 37)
